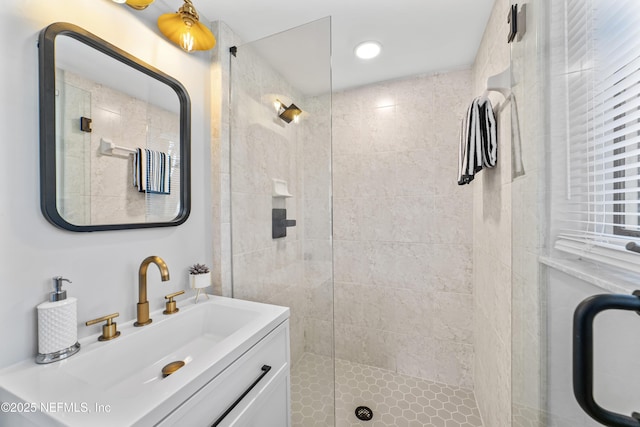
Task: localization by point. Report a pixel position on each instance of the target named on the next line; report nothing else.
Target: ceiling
(418, 36)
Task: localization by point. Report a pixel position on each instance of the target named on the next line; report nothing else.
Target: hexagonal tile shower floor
(396, 400)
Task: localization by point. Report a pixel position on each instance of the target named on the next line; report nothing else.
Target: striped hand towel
(478, 140)
(152, 171)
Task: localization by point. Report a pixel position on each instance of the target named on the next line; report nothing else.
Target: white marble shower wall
(403, 228)
(294, 271)
(492, 237)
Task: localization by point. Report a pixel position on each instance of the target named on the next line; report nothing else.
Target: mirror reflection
(119, 140)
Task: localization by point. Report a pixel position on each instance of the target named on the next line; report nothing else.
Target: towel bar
(107, 146)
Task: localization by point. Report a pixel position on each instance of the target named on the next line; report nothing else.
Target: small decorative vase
(199, 282)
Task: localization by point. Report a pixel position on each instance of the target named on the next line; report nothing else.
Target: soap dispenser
(57, 325)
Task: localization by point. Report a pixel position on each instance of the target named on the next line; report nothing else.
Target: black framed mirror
(114, 136)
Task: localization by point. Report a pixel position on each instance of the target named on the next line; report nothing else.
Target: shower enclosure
(280, 126)
(374, 271)
(412, 296)
(567, 51)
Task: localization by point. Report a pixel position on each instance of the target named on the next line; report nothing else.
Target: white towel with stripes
(478, 140)
(152, 171)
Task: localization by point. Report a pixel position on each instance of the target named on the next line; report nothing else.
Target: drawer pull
(265, 370)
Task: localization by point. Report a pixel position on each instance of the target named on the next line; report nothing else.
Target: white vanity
(235, 373)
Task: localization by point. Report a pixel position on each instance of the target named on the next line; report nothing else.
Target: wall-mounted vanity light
(137, 4)
(185, 29)
(182, 28)
(288, 114)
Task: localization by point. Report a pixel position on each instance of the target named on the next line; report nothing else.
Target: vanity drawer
(269, 409)
(210, 402)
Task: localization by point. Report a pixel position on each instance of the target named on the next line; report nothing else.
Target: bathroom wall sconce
(138, 4)
(135, 4)
(185, 29)
(287, 114)
(182, 28)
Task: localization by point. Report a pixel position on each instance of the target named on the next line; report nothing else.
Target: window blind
(601, 71)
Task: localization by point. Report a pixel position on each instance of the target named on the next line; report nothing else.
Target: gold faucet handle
(171, 306)
(109, 329)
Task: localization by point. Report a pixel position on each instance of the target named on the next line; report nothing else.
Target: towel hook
(500, 82)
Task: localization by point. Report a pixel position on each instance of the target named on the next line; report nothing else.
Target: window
(597, 68)
(626, 192)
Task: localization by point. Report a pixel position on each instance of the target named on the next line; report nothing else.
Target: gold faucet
(143, 304)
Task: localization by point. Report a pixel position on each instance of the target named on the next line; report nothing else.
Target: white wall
(102, 265)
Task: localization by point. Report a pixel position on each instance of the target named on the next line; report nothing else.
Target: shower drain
(364, 413)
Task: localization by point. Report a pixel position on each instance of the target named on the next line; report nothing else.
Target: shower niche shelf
(280, 189)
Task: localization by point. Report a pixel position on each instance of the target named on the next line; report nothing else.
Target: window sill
(610, 279)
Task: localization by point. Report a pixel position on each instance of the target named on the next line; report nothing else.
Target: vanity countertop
(119, 382)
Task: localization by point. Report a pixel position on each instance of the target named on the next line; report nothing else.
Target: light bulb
(186, 39)
(185, 29)
(296, 118)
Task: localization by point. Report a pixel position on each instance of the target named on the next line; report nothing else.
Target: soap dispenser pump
(58, 294)
(57, 325)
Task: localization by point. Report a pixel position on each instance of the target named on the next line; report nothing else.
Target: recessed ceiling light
(368, 50)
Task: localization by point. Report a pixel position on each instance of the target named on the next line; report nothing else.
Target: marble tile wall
(403, 228)
(492, 226)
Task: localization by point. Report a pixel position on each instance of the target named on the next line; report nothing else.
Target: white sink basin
(120, 382)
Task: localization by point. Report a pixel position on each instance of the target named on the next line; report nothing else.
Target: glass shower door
(74, 155)
(568, 366)
(528, 323)
(281, 199)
